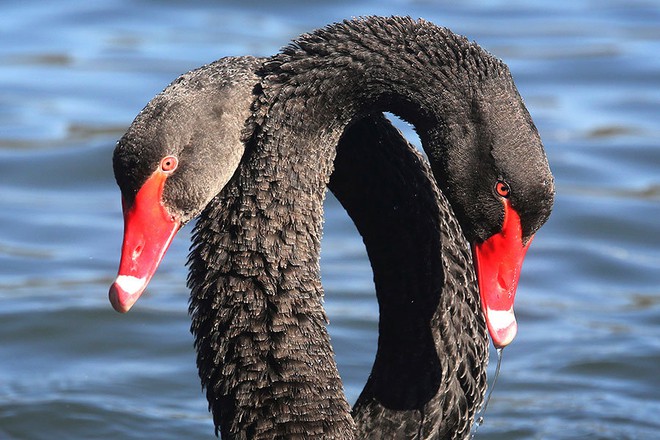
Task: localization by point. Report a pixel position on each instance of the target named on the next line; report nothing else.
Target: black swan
(263, 350)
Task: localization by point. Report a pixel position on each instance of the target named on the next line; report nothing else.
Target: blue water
(586, 362)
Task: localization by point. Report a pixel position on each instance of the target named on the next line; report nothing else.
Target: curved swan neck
(432, 346)
(263, 350)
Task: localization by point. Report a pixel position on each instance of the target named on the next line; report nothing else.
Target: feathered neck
(263, 350)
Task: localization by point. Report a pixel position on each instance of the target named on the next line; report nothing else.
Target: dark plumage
(423, 384)
(406, 267)
(264, 355)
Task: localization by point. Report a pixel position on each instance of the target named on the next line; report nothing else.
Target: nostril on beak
(503, 282)
(138, 251)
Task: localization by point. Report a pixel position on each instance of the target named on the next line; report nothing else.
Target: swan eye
(169, 164)
(502, 189)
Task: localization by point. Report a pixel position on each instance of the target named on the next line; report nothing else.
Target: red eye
(169, 164)
(502, 189)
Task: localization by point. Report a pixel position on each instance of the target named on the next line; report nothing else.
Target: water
(72, 77)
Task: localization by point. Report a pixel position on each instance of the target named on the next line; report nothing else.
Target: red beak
(148, 231)
(498, 262)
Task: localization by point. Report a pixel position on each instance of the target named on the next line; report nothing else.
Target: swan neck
(264, 354)
(432, 344)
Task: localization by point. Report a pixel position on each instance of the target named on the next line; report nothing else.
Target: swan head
(178, 154)
(496, 175)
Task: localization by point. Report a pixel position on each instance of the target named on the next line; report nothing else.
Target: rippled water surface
(586, 362)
